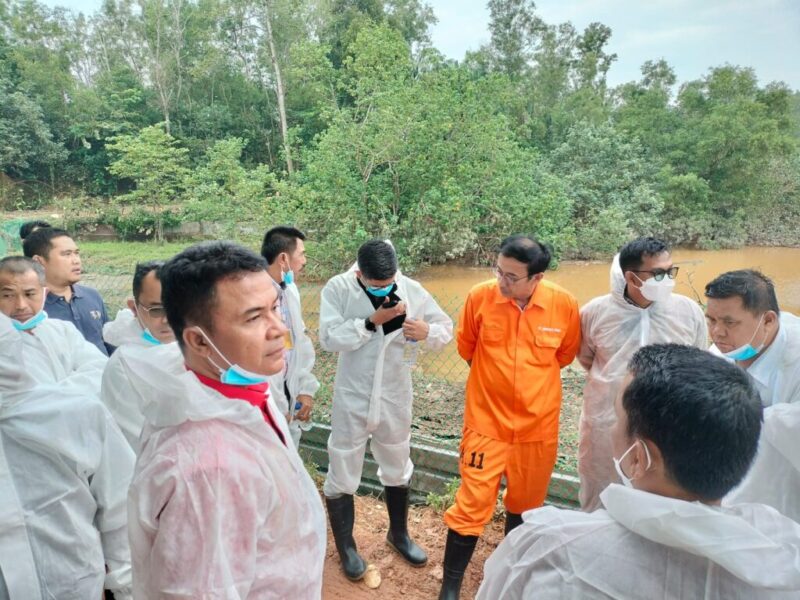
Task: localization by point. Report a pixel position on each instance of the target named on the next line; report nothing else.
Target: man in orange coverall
(516, 333)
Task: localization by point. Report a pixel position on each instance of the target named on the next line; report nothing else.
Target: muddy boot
(341, 513)
(397, 505)
(512, 520)
(457, 554)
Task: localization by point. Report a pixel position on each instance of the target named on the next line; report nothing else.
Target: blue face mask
(234, 374)
(288, 277)
(380, 292)
(747, 351)
(149, 337)
(30, 323)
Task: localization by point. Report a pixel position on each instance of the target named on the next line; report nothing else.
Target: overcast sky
(692, 35)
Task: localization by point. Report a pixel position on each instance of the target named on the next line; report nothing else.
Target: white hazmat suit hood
(124, 329)
(116, 391)
(214, 477)
(612, 330)
(64, 473)
(648, 546)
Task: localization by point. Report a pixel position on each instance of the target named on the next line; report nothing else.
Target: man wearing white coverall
(366, 315)
(64, 475)
(687, 430)
(221, 505)
(144, 325)
(748, 328)
(284, 249)
(55, 351)
(640, 310)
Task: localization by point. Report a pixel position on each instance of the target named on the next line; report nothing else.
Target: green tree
(158, 168)
(611, 185)
(223, 191)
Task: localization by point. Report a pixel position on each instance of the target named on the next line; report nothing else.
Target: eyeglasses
(658, 274)
(154, 312)
(510, 279)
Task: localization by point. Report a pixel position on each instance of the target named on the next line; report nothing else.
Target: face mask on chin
(234, 374)
(35, 320)
(747, 351)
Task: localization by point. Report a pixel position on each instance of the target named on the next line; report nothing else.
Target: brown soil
(399, 579)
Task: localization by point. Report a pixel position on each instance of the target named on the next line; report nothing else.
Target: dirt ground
(398, 578)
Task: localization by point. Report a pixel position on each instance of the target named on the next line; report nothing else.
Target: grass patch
(120, 258)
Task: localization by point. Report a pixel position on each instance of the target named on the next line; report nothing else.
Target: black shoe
(341, 513)
(512, 520)
(398, 538)
(457, 554)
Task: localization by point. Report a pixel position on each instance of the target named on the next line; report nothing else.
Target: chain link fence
(439, 381)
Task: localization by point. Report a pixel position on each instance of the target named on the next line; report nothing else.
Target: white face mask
(656, 291)
(627, 481)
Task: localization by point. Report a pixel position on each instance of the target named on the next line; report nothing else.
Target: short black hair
(141, 271)
(632, 254)
(754, 288)
(189, 280)
(280, 239)
(527, 250)
(377, 260)
(19, 265)
(40, 242)
(703, 413)
(28, 227)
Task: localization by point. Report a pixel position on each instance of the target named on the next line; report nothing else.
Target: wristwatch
(369, 325)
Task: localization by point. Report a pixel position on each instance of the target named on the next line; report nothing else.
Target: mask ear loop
(646, 452)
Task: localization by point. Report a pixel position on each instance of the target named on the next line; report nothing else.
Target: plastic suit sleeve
(87, 365)
(337, 334)
(441, 325)
(109, 484)
(587, 349)
(467, 332)
(122, 400)
(572, 339)
(306, 382)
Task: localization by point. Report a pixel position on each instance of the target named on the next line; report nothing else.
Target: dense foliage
(339, 116)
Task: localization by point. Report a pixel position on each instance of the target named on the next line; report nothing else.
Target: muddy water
(450, 284)
(697, 267)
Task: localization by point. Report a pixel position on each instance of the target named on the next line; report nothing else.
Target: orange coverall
(513, 398)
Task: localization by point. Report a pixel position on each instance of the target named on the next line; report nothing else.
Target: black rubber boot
(512, 520)
(398, 538)
(341, 513)
(457, 554)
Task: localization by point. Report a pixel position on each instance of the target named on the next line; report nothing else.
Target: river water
(587, 280)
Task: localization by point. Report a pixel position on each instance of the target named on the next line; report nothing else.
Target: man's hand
(383, 314)
(415, 329)
(304, 412)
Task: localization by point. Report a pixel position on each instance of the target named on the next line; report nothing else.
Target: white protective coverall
(612, 330)
(56, 352)
(219, 507)
(64, 475)
(776, 372)
(372, 394)
(124, 329)
(116, 391)
(774, 478)
(299, 378)
(644, 546)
